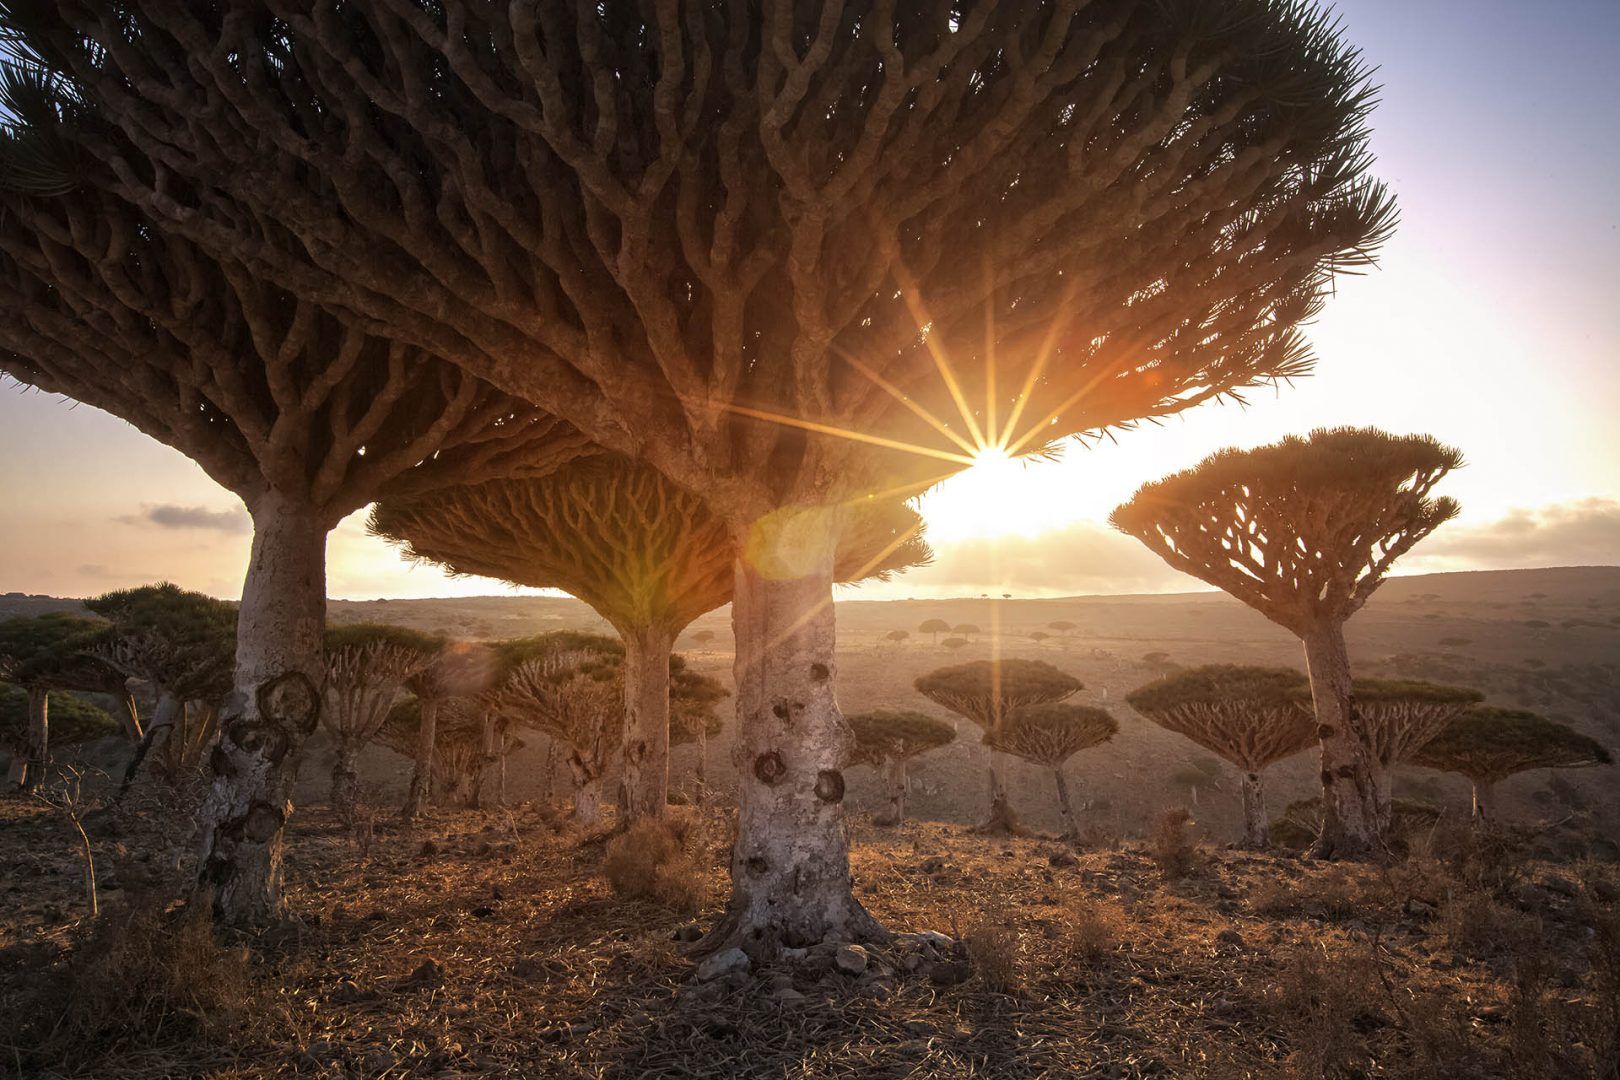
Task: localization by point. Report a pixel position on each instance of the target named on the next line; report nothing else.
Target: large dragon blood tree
(1488, 744)
(646, 555)
(295, 406)
(1303, 531)
(788, 254)
(988, 692)
(1251, 716)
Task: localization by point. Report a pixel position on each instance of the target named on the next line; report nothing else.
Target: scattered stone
(789, 996)
(428, 848)
(1562, 886)
(723, 963)
(851, 959)
(483, 911)
(781, 981)
(689, 933)
(428, 973)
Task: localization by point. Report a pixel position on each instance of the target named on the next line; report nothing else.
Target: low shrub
(1172, 846)
(650, 861)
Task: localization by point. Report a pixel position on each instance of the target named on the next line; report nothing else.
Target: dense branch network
(1252, 717)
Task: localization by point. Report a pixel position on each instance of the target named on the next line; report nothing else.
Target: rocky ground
(489, 944)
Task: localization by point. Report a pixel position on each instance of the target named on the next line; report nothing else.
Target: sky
(1492, 322)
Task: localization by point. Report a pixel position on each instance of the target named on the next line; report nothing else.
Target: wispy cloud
(170, 516)
(1578, 533)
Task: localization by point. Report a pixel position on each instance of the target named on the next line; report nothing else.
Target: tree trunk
(645, 776)
(587, 793)
(1256, 827)
(894, 810)
(128, 714)
(549, 792)
(1071, 827)
(1349, 798)
(162, 727)
(1003, 821)
(790, 865)
(346, 779)
(701, 795)
(486, 791)
(422, 773)
(39, 739)
(1484, 804)
(272, 711)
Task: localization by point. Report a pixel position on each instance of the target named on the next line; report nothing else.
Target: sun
(998, 495)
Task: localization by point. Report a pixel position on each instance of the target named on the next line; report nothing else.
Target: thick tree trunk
(1484, 804)
(1071, 827)
(1256, 827)
(790, 865)
(645, 776)
(1349, 797)
(346, 779)
(269, 715)
(422, 772)
(38, 754)
(1003, 821)
(587, 793)
(894, 809)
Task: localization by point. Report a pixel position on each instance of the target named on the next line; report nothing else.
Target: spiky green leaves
(1488, 744)
(885, 734)
(1303, 530)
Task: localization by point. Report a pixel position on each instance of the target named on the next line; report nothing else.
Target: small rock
(723, 963)
(795, 956)
(781, 981)
(428, 973)
(688, 933)
(483, 911)
(1420, 909)
(1230, 937)
(850, 959)
(428, 848)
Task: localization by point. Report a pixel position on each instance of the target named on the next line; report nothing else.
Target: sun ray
(1038, 368)
(899, 395)
(844, 433)
(866, 568)
(909, 293)
(1090, 385)
(992, 437)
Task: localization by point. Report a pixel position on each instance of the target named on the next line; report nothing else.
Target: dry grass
(1174, 849)
(652, 860)
(995, 946)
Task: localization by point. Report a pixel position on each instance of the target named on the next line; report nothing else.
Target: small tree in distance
(1304, 531)
(935, 627)
(889, 739)
(1489, 744)
(954, 643)
(35, 652)
(459, 670)
(1049, 734)
(1250, 716)
(987, 692)
(966, 629)
(897, 636)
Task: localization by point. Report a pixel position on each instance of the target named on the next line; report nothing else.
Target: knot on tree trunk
(261, 822)
(291, 700)
(770, 768)
(830, 786)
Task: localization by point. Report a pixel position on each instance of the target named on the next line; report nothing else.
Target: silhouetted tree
(740, 243)
(888, 739)
(559, 693)
(965, 628)
(1304, 531)
(935, 627)
(34, 652)
(896, 636)
(645, 555)
(987, 692)
(367, 666)
(1049, 734)
(1251, 716)
(1489, 744)
(692, 714)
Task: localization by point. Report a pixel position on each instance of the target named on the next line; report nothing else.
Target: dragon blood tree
(889, 739)
(788, 254)
(693, 718)
(1303, 531)
(459, 669)
(987, 692)
(295, 406)
(646, 555)
(367, 665)
(1251, 716)
(1397, 718)
(1049, 734)
(577, 704)
(39, 654)
(1489, 744)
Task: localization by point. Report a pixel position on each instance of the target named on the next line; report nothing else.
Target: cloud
(1084, 557)
(169, 516)
(1584, 532)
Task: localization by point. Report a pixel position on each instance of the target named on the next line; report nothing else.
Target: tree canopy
(73, 719)
(1251, 716)
(1303, 530)
(1049, 733)
(1488, 744)
(1398, 716)
(883, 734)
(986, 691)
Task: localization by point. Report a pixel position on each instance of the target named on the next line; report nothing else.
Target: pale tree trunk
(162, 727)
(346, 778)
(1484, 804)
(1256, 827)
(1349, 799)
(790, 865)
(272, 711)
(17, 769)
(645, 777)
(701, 795)
(1003, 821)
(1383, 787)
(894, 810)
(129, 716)
(587, 793)
(486, 789)
(422, 771)
(1071, 827)
(39, 739)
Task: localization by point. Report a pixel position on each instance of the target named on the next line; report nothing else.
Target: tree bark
(272, 711)
(1003, 820)
(894, 810)
(162, 727)
(486, 788)
(790, 865)
(549, 792)
(1256, 827)
(701, 794)
(587, 794)
(1349, 797)
(39, 739)
(128, 714)
(422, 772)
(1071, 827)
(346, 780)
(1484, 804)
(645, 776)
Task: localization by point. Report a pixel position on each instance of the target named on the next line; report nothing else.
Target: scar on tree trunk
(267, 718)
(1004, 821)
(790, 874)
(1349, 795)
